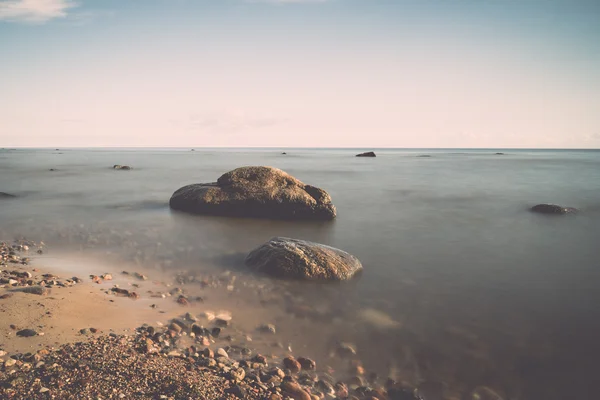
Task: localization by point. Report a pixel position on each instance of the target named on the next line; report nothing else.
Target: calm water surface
(462, 286)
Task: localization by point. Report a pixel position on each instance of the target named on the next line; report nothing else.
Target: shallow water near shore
(462, 286)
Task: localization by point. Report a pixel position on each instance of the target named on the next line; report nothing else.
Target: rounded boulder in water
(255, 192)
(299, 259)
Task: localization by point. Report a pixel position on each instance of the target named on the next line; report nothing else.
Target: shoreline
(161, 327)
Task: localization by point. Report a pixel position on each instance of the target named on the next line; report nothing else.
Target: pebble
(222, 353)
(267, 328)
(292, 364)
(294, 390)
(26, 333)
(10, 362)
(307, 364)
(346, 350)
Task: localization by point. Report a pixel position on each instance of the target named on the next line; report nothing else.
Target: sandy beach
(93, 336)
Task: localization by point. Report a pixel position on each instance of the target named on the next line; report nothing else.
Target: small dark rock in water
(346, 350)
(292, 364)
(424, 156)
(260, 359)
(39, 290)
(122, 167)
(553, 209)
(294, 390)
(367, 154)
(267, 328)
(6, 195)
(26, 333)
(284, 153)
(255, 192)
(299, 259)
(341, 390)
(307, 364)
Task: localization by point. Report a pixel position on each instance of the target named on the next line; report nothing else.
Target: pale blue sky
(332, 73)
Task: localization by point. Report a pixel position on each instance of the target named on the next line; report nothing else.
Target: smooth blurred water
(486, 292)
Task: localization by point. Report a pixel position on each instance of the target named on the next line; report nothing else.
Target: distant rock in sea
(552, 209)
(123, 167)
(299, 259)
(500, 154)
(257, 192)
(4, 195)
(424, 156)
(284, 153)
(367, 154)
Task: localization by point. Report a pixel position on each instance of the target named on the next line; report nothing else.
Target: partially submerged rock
(367, 154)
(300, 259)
(122, 167)
(4, 195)
(552, 209)
(258, 192)
(27, 333)
(39, 290)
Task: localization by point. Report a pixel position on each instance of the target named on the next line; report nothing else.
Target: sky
(300, 73)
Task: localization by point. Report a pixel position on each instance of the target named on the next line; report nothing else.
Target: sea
(463, 287)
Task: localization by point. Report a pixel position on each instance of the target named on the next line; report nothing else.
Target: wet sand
(163, 323)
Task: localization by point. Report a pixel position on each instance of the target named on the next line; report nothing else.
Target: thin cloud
(34, 11)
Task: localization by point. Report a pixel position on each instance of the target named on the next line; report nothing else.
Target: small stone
(346, 350)
(84, 331)
(44, 390)
(175, 327)
(222, 353)
(278, 372)
(292, 364)
(307, 364)
(10, 362)
(26, 333)
(93, 330)
(294, 390)
(267, 328)
(237, 374)
(107, 277)
(260, 359)
(208, 353)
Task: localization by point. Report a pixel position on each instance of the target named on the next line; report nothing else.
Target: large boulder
(299, 259)
(552, 209)
(258, 192)
(367, 154)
